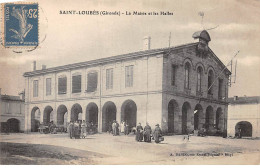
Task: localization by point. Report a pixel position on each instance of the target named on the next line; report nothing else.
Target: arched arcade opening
(219, 119)
(35, 119)
(62, 114)
(129, 113)
(209, 119)
(13, 125)
(245, 127)
(76, 112)
(92, 113)
(198, 117)
(186, 111)
(47, 115)
(173, 112)
(108, 115)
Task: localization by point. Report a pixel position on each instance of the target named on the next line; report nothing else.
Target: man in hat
(139, 133)
(157, 133)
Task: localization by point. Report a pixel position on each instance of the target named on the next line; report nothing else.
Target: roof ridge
(107, 59)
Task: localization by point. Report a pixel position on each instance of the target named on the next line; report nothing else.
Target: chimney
(43, 66)
(235, 98)
(33, 66)
(147, 43)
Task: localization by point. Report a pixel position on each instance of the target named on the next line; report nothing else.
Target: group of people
(78, 129)
(147, 135)
(116, 129)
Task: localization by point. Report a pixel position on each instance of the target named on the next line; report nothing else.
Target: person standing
(71, 127)
(126, 128)
(76, 130)
(122, 127)
(157, 133)
(139, 133)
(117, 128)
(147, 133)
(114, 128)
(83, 129)
(110, 127)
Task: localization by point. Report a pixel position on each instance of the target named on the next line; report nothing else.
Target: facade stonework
(244, 114)
(151, 96)
(12, 113)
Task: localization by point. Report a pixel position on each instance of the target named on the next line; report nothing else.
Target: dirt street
(107, 149)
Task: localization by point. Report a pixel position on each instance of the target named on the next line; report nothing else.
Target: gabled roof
(122, 57)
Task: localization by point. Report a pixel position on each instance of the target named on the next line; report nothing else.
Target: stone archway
(47, 115)
(246, 128)
(13, 125)
(209, 120)
(129, 113)
(173, 111)
(219, 119)
(76, 112)
(108, 115)
(62, 114)
(35, 119)
(198, 117)
(186, 111)
(92, 113)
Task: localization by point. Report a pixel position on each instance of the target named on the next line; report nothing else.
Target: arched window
(187, 76)
(210, 81)
(199, 76)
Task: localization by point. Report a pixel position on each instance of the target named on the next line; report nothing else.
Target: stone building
(182, 88)
(244, 114)
(12, 113)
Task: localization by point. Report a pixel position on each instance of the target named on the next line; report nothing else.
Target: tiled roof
(244, 100)
(112, 59)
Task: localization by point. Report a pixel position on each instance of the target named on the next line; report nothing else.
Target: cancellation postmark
(21, 24)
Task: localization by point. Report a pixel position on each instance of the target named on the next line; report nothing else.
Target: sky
(66, 39)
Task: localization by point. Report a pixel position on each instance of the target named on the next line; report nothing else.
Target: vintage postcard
(141, 82)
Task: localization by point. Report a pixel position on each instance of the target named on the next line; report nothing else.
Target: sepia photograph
(140, 82)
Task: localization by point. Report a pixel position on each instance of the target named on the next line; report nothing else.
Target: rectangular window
(173, 75)
(92, 81)
(62, 85)
(109, 78)
(76, 84)
(129, 74)
(35, 88)
(220, 88)
(48, 86)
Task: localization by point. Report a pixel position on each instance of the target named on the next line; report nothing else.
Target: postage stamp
(21, 25)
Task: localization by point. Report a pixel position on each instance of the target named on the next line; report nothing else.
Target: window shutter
(76, 84)
(92, 82)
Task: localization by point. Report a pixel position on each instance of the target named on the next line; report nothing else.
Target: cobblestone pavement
(174, 150)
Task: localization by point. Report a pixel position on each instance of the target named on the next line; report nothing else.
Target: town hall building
(182, 88)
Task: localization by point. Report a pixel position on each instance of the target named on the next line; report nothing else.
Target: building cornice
(107, 60)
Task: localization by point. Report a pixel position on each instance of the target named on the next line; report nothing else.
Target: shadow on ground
(27, 154)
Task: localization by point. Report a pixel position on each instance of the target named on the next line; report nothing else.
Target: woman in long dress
(139, 133)
(83, 129)
(122, 127)
(147, 133)
(157, 133)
